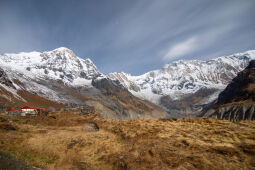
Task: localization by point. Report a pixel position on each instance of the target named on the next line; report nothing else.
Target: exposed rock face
(189, 105)
(241, 88)
(237, 101)
(4, 79)
(108, 85)
(124, 80)
(9, 162)
(233, 112)
(124, 103)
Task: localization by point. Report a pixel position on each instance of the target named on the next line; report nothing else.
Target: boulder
(90, 127)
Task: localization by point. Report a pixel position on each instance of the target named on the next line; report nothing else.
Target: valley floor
(58, 141)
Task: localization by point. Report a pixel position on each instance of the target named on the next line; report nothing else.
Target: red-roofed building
(28, 111)
(30, 108)
(13, 112)
(32, 111)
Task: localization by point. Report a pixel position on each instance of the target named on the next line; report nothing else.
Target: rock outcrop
(90, 127)
(242, 87)
(126, 105)
(237, 101)
(4, 79)
(9, 162)
(233, 112)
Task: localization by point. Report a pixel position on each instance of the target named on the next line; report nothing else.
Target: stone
(90, 127)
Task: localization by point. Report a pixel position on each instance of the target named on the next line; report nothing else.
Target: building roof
(13, 110)
(30, 108)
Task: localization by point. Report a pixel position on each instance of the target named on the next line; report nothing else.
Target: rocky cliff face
(189, 105)
(241, 88)
(233, 112)
(237, 101)
(127, 105)
(4, 79)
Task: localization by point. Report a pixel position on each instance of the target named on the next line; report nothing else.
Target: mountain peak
(58, 64)
(61, 48)
(88, 60)
(62, 51)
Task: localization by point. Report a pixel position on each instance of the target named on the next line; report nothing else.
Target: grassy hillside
(58, 142)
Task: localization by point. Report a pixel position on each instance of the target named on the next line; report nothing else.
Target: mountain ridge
(180, 80)
(61, 76)
(169, 87)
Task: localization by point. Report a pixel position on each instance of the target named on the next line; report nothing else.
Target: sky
(132, 36)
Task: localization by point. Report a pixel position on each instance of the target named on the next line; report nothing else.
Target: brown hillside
(128, 102)
(58, 142)
(9, 100)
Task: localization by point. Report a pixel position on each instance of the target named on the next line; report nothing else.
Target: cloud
(195, 43)
(133, 36)
(182, 48)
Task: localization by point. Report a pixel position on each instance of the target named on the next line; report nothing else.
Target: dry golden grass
(60, 143)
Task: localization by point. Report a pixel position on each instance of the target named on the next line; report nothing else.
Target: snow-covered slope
(59, 64)
(185, 77)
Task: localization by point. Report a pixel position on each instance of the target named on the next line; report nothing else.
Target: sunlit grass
(133, 144)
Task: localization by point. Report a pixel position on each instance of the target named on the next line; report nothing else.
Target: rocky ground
(7, 162)
(71, 141)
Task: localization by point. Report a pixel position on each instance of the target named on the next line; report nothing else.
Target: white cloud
(196, 43)
(181, 49)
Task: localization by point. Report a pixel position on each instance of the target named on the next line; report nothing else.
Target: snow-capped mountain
(59, 64)
(39, 73)
(186, 77)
